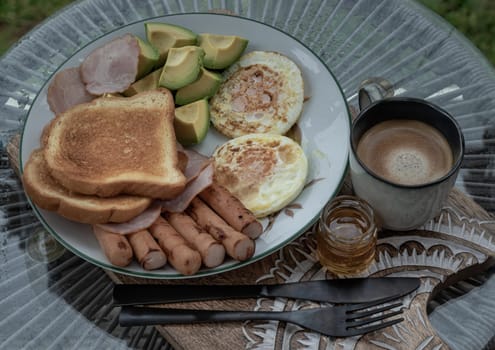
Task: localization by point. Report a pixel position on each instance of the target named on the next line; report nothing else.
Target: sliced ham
(193, 188)
(67, 90)
(191, 162)
(112, 67)
(139, 223)
(196, 162)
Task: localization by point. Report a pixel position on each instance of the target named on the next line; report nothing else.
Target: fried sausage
(231, 209)
(148, 253)
(115, 247)
(180, 255)
(237, 245)
(212, 252)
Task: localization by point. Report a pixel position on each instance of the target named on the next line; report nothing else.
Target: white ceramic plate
(325, 125)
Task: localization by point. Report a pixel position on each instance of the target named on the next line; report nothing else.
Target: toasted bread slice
(46, 193)
(117, 145)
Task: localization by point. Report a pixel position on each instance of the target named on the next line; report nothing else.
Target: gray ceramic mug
(403, 207)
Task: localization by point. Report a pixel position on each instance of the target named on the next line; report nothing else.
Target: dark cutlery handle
(132, 294)
(350, 290)
(140, 316)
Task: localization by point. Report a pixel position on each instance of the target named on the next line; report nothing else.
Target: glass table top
(51, 298)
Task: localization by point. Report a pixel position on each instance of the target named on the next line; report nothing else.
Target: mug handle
(374, 89)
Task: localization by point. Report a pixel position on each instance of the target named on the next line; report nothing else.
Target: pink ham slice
(196, 162)
(139, 223)
(67, 90)
(112, 67)
(203, 180)
(191, 162)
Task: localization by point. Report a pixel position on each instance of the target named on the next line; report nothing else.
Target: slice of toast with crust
(117, 145)
(47, 194)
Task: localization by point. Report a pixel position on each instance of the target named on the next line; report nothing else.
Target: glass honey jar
(346, 235)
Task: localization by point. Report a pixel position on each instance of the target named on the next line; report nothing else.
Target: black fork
(337, 321)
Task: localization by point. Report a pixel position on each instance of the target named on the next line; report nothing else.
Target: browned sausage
(148, 253)
(231, 209)
(237, 245)
(115, 246)
(184, 259)
(212, 252)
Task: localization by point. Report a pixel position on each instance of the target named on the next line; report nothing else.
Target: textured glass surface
(51, 298)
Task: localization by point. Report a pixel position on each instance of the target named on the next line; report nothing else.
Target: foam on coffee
(406, 152)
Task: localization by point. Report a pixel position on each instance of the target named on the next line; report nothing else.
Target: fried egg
(265, 172)
(262, 92)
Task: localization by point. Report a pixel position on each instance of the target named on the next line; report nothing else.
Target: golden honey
(346, 235)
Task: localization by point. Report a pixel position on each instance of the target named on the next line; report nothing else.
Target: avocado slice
(221, 50)
(148, 56)
(182, 67)
(204, 87)
(164, 36)
(192, 122)
(148, 82)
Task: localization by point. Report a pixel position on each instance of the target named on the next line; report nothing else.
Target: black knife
(351, 290)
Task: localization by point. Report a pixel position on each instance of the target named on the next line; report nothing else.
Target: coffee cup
(404, 160)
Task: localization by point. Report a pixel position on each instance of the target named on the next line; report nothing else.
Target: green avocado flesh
(221, 50)
(164, 36)
(192, 122)
(148, 56)
(149, 82)
(182, 67)
(205, 86)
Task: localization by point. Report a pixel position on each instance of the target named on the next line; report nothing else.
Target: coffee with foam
(406, 152)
